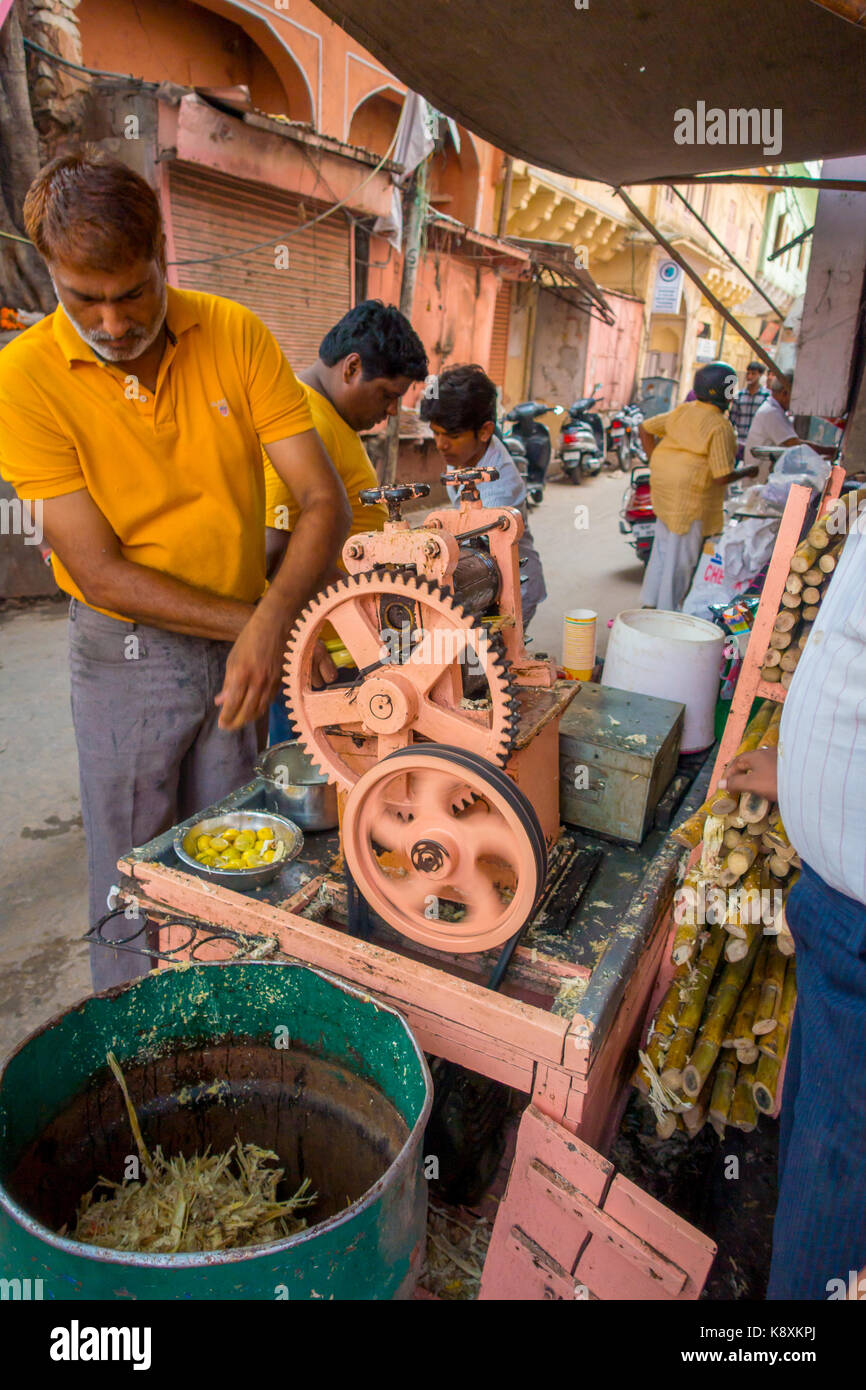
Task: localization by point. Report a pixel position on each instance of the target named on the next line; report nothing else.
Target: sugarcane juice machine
(442, 737)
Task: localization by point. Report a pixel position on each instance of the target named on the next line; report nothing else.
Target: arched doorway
(195, 45)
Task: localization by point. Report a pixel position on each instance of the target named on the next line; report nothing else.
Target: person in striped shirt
(746, 403)
(818, 776)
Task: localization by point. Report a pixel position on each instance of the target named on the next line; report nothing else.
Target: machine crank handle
(394, 497)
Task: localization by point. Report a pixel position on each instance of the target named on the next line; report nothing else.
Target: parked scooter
(623, 436)
(584, 443)
(517, 450)
(527, 429)
(637, 520)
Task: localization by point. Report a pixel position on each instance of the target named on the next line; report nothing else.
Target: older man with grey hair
(772, 425)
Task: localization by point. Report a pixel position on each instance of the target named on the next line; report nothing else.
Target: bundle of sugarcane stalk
(716, 1046)
(812, 564)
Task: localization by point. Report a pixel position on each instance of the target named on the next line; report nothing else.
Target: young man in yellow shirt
(133, 419)
(366, 362)
(692, 451)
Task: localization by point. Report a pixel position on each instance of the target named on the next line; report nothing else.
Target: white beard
(141, 339)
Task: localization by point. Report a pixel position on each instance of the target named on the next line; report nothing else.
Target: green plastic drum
(279, 1055)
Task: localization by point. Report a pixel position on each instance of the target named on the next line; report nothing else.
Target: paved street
(43, 867)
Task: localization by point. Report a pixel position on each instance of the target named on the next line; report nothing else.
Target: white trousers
(671, 567)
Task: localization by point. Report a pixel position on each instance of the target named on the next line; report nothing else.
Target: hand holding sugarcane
(754, 772)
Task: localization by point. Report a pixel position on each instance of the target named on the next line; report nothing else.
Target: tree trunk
(24, 280)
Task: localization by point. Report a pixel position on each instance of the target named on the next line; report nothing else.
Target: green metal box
(617, 753)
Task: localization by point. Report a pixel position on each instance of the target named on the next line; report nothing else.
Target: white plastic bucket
(673, 656)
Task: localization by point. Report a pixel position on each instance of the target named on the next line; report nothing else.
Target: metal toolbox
(617, 753)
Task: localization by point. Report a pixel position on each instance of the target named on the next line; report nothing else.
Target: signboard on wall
(668, 288)
(706, 349)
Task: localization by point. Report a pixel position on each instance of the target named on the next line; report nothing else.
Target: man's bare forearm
(147, 596)
(309, 562)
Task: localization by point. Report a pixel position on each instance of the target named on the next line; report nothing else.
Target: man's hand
(753, 772)
(253, 671)
(324, 670)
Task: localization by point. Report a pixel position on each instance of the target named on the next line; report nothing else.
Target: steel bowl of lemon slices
(240, 849)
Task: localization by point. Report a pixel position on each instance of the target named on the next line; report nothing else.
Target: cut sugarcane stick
(759, 827)
(776, 832)
(818, 538)
(785, 621)
(811, 595)
(741, 1034)
(732, 838)
(827, 562)
(765, 1083)
(767, 1012)
(772, 656)
(740, 859)
(792, 600)
(771, 674)
(744, 1114)
(794, 584)
(663, 1027)
(691, 832)
(784, 939)
(695, 991)
(813, 576)
(735, 821)
(750, 1053)
(803, 637)
(695, 1115)
(780, 640)
(744, 904)
(790, 659)
(779, 866)
(739, 946)
(803, 557)
(711, 850)
(712, 1033)
(723, 1089)
(773, 1049)
(785, 679)
(753, 808)
(810, 613)
(775, 1044)
(667, 1124)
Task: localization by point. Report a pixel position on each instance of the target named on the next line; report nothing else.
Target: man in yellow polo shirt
(366, 362)
(133, 418)
(692, 452)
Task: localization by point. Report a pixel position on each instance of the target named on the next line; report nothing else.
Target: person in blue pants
(818, 776)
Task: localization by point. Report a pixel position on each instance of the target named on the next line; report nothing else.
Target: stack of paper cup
(578, 643)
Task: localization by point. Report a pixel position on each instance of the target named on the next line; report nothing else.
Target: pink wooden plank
(669, 1247)
(759, 638)
(570, 1227)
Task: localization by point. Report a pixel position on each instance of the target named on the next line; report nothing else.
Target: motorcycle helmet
(716, 383)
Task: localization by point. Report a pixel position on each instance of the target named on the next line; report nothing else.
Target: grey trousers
(149, 752)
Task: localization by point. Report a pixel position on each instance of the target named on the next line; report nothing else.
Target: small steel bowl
(295, 788)
(283, 829)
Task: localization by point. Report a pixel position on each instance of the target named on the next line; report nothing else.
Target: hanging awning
(593, 92)
(556, 267)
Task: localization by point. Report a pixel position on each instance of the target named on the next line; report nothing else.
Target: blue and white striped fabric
(822, 743)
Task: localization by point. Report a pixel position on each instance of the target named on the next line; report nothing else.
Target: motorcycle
(584, 443)
(623, 435)
(534, 437)
(637, 520)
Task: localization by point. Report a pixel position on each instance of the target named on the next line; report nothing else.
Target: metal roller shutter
(499, 337)
(212, 214)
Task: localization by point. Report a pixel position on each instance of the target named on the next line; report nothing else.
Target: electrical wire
(294, 231)
(78, 67)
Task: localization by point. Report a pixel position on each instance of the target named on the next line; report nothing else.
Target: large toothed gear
(408, 692)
